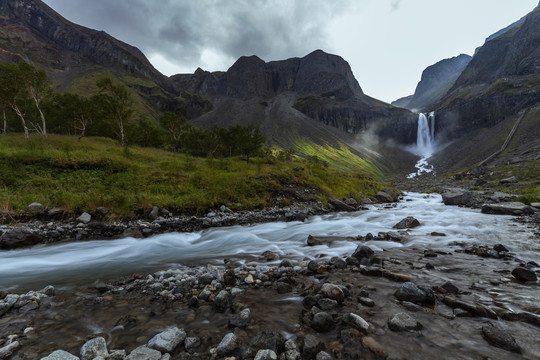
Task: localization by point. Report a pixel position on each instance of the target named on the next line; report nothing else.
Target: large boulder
(508, 208)
(408, 223)
(167, 340)
(383, 197)
(340, 205)
(19, 237)
(60, 355)
(94, 348)
(457, 196)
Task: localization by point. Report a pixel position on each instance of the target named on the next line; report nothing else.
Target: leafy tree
(118, 104)
(174, 125)
(146, 133)
(70, 113)
(39, 87)
(248, 139)
(13, 92)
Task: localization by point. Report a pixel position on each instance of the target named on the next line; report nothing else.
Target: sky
(388, 43)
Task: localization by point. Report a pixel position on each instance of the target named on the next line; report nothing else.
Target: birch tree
(118, 103)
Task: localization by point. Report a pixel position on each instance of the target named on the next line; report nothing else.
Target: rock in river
(408, 223)
(18, 237)
(523, 274)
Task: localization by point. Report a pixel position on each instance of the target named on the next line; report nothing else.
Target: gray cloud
(182, 30)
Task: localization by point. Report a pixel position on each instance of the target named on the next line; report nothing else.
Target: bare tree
(118, 102)
(13, 91)
(39, 88)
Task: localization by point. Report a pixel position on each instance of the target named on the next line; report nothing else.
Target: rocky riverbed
(459, 301)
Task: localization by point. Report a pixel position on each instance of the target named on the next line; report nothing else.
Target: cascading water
(425, 142)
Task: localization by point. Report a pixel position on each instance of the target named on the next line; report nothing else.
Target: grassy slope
(59, 171)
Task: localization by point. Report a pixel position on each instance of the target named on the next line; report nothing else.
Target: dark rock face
(436, 80)
(18, 237)
(407, 223)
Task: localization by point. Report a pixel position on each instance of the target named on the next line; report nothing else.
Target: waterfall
(425, 134)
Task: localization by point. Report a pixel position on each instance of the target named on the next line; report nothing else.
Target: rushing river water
(83, 263)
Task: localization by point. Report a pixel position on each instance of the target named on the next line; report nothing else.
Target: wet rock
(228, 345)
(340, 205)
(313, 266)
(93, 348)
(410, 292)
(507, 208)
(117, 355)
(372, 345)
(402, 322)
(322, 322)
(4, 307)
(500, 338)
(222, 300)
(167, 340)
(285, 263)
(407, 223)
(18, 237)
(523, 274)
(269, 256)
(242, 319)
(332, 291)
(457, 196)
(356, 322)
(352, 261)
(383, 197)
(338, 262)
(191, 343)
(229, 277)
(366, 301)
(271, 340)
(500, 248)
(473, 309)
(323, 355)
(450, 288)
(60, 355)
(144, 353)
(266, 354)
(412, 306)
(249, 279)
(363, 252)
(8, 349)
(36, 207)
(327, 304)
(312, 345)
(84, 218)
(283, 287)
(323, 240)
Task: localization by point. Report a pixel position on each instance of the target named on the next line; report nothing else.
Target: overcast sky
(387, 42)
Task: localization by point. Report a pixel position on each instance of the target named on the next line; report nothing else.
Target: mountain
(499, 86)
(311, 104)
(436, 80)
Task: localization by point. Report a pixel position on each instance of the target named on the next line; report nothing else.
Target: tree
(248, 139)
(118, 104)
(174, 125)
(78, 111)
(13, 91)
(39, 87)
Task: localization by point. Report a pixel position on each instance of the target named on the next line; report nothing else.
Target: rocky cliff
(502, 79)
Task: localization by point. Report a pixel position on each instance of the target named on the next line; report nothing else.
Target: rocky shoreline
(401, 303)
(44, 225)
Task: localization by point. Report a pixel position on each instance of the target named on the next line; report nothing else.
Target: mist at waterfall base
(84, 263)
(425, 144)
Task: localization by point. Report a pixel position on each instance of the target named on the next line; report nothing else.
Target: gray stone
(412, 306)
(338, 262)
(509, 180)
(154, 213)
(363, 252)
(101, 210)
(292, 355)
(8, 349)
(242, 319)
(167, 340)
(117, 355)
(323, 240)
(144, 353)
(523, 274)
(332, 291)
(228, 345)
(536, 205)
(340, 205)
(507, 208)
(48, 290)
(222, 300)
(266, 354)
(60, 355)
(93, 348)
(403, 322)
(383, 197)
(323, 355)
(55, 212)
(408, 223)
(457, 196)
(356, 322)
(312, 345)
(410, 292)
(4, 307)
(267, 340)
(500, 338)
(84, 218)
(322, 322)
(36, 207)
(327, 304)
(283, 287)
(192, 343)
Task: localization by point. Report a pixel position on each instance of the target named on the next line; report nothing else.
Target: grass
(60, 171)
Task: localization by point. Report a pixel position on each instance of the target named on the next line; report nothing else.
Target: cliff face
(502, 79)
(50, 41)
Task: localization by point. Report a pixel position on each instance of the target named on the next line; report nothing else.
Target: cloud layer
(210, 32)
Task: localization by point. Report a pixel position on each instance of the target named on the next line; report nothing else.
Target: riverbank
(264, 288)
(456, 301)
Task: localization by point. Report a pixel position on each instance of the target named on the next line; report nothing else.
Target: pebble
(402, 322)
(266, 354)
(60, 355)
(410, 292)
(356, 321)
(144, 353)
(93, 348)
(332, 291)
(372, 345)
(228, 345)
(322, 322)
(167, 340)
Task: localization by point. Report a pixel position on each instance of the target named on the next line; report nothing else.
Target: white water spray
(425, 142)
